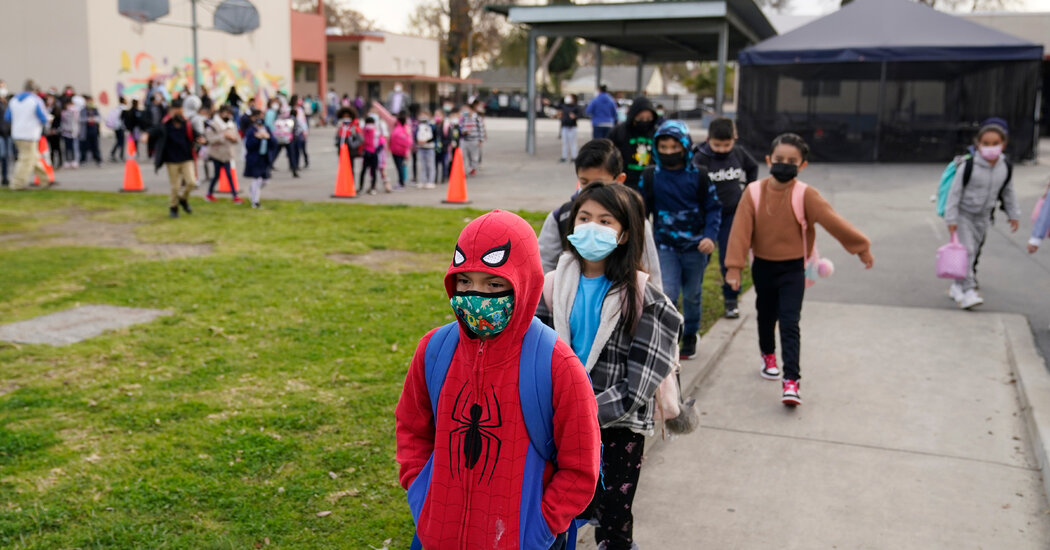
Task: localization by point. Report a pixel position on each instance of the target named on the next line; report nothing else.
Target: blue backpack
(535, 390)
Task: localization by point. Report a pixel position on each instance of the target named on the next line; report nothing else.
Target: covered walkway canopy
(657, 32)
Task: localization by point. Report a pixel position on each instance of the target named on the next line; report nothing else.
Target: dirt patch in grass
(395, 261)
(80, 229)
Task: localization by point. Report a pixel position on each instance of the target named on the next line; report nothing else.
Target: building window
(330, 72)
(306, 72)
(306, 6)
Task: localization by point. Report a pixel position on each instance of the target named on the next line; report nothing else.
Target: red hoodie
(463, 509)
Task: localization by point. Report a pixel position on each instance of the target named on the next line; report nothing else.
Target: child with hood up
(466, 424)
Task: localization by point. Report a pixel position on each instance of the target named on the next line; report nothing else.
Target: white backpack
(424, 134)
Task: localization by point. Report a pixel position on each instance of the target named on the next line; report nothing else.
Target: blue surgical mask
(594, 242)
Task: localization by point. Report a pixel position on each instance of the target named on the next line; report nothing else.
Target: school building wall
(45, 40)
(89, 45)
(126, 55)
(400, 54)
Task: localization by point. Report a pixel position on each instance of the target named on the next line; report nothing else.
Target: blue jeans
(683, 272)
(600, 132)
(723, 247)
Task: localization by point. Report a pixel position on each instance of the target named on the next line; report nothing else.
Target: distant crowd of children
(428, 141)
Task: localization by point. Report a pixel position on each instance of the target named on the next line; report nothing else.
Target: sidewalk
(911, 435)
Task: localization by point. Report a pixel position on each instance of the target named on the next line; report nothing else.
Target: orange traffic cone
(224, 183)
(344, 178)
(45, 156)
(457, 181)
(132, 174)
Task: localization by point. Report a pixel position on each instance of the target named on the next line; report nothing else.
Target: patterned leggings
(621, 465)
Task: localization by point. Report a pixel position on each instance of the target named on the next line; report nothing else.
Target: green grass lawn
(266, 397)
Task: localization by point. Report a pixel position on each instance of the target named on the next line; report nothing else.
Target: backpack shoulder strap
(798, 206)
(536, 389)
(437, 358)
(755, 188)
(967, 169)
(798, 203)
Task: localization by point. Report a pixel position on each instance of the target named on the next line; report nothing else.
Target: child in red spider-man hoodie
(470, 459)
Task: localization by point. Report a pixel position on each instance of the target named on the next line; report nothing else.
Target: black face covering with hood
(635, 141)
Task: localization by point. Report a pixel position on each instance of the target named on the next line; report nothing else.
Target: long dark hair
(622, 266)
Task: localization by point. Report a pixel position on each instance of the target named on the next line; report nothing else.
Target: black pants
(415, 168)
(292, 152)
(118, 146)
(219, 167)
(441, 164)
(621, 465)
(399, 163)
(779, 288)
(89, 146)
(54, 142)
(300, 143)
(370, 163)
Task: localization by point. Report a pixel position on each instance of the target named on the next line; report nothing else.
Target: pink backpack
(815, 266)
(400, 141)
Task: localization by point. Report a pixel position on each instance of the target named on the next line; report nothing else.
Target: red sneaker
(770, 370)
(791, 397)
(211, 198)
(473, 172)
(238, 200)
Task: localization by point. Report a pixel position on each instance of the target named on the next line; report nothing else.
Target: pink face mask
(991, 153)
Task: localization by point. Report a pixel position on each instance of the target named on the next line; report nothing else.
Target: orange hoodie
(774, 234)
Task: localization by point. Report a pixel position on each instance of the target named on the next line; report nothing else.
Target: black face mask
(672, 160)
(644, 126)
(719, 156)
(783, 172)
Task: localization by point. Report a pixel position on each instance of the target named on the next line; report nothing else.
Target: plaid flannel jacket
(632, 366)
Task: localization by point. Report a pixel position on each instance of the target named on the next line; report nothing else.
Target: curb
(1033, 388)
(713, 345)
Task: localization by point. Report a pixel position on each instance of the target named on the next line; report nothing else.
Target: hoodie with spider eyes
(481, 501)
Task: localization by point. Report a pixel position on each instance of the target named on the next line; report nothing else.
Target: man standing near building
(26, 115)
(398, 100)
(602, 112)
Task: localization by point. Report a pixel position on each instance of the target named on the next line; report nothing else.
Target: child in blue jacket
(686, 219)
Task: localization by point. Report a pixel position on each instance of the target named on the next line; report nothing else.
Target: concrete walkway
(911, 435)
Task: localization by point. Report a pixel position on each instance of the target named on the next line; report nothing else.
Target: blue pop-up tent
(889, 80)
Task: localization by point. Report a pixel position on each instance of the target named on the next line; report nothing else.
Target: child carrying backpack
(767, 223)
(348, 132)
(969, 207)
(490, 400)
(624, 330)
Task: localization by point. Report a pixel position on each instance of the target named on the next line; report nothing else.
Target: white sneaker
(955, 292)
(970, 300)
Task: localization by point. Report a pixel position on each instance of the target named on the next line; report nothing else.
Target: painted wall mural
(138, 70)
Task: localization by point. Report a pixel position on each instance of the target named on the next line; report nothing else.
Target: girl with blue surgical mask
(624, 331)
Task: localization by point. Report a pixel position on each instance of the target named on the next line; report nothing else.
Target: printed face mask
(783, 172)
(672, 160)
(594, 242)
(487, 314)
(991, 153)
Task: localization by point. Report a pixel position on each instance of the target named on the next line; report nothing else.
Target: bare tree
(463, 27)
(347, 20)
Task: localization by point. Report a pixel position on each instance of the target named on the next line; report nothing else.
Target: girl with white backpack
(625, 332)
